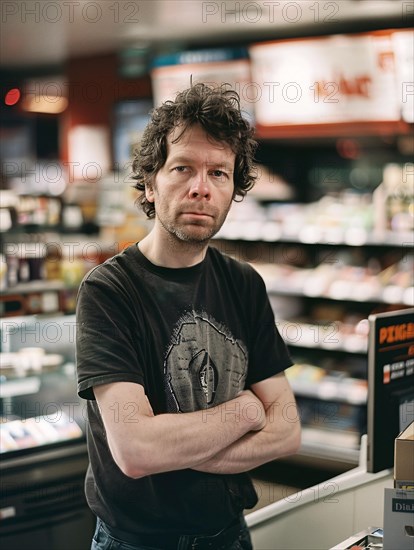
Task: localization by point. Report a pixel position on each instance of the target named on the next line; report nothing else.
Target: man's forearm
(278, 438)
(184, 440)
(154, 444)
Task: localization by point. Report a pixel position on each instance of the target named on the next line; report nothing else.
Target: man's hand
(276, 432)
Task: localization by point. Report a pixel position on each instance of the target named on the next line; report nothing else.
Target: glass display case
(43, 452)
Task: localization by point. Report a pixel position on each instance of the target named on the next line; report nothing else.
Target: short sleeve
(108, 342)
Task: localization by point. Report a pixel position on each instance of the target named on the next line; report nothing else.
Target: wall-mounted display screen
(390, 383)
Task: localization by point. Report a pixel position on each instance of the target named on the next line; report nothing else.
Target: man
(177, 348)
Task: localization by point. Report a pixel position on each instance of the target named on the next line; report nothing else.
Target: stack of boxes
(399, 501)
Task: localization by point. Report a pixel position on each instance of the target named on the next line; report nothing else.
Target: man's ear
(149, 192)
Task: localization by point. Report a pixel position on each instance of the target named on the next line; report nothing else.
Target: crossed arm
(279, 437)
(255, 427)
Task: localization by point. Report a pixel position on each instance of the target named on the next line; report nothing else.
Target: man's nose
(200, 187)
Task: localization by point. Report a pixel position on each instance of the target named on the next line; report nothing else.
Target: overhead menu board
(175, 72)
(403, 44)
(330, 80)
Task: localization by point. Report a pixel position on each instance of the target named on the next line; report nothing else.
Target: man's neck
(168, 251)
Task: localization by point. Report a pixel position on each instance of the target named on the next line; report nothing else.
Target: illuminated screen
(390, 384)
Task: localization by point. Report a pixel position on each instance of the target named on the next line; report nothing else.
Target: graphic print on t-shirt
(204, 364)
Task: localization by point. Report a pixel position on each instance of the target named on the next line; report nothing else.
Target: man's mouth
(197, 214)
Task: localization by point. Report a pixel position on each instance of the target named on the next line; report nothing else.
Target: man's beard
(192, 238)
(183, 236)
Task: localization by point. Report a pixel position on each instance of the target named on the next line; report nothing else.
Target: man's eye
(180, 168)
(219, 174)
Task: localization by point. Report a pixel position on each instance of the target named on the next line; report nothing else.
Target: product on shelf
(346, 217)
(34, 432)
(397, 282)
(331, 405)
(28, 361)
(338, 279)
(394, 200)
(313, 381)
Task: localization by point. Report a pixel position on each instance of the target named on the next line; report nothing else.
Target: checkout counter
(379, 492)
(321, 516)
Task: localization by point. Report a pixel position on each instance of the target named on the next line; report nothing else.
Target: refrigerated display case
(43, 453)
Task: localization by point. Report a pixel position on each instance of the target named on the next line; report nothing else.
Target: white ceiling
(47, 32)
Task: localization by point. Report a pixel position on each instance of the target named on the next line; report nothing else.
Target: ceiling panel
(44, 32)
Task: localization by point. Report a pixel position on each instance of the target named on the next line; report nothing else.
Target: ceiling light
(12, 97)
(45, 104)
(45, 95)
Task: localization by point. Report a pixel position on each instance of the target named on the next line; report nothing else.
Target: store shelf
(324, 445)
(38, 297)
(389, 295)
(273, 232)
(344, 129)
(327, 264)
(330, 282)
(324, 336)
(332, 388)
(35, 286)
(23, 386)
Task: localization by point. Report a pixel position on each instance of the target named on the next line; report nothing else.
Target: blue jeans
(102, 540)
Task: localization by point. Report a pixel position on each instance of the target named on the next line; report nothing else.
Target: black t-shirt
(193, 338)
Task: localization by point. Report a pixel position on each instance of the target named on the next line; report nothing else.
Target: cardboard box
(404, 459)
(398, 519)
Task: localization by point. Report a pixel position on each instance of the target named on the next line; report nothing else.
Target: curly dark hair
(217, 111)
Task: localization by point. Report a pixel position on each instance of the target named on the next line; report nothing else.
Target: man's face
(193, 191)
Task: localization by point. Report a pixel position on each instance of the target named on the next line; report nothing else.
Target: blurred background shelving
(329, 224)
